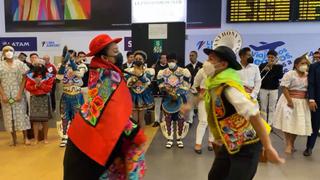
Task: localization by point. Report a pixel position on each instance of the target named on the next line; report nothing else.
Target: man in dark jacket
(193, 67)
(161, 65)
(314, 102)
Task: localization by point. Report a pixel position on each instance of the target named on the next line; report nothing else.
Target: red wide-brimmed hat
(99, 42)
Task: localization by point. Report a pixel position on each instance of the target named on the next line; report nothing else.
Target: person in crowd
(13, 100)
(39, 83)
(130, 60)
(250, 73)
(174, 81)
(199, 86)
(316, 56)
(292, 114)
(71, 98)
(23, 57)
(314, 102)
(271, 73)
(193, 68)
(139, 79)
(83, 59)
(51, 68)
(33, 57)
(104, 143)
(161, 65)
(234, 119)
(82, 70)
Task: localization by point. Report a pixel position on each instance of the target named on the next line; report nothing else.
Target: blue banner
(20, 43)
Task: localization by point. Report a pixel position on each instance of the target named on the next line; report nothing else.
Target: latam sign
(20, 43)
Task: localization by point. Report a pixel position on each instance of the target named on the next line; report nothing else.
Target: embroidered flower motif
(93, 92)
(115, 76)
(107, 73)
(98, 101)
(114, 86)
(94, 110)
(85, 108)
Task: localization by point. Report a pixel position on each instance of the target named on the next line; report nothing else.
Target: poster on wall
(20, 43)
(64, 15)
(86, 15)
(285, 44)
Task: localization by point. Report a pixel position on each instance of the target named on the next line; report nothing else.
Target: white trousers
(190, 98)
(203, 123)
(157, 109)
(268, 103)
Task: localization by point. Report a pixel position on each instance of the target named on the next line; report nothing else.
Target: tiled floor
(184, 164)
(162, 163)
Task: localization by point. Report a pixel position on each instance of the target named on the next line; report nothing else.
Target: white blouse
(293, 81)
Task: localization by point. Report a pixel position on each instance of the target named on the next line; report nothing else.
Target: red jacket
(44, 87)
(51, 69)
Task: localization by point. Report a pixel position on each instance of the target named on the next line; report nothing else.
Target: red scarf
(98, 142)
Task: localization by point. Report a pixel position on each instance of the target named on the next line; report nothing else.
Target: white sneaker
(180, 143)
(63, 142)
(169, 144)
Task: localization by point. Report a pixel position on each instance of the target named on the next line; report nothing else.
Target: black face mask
(119, 61)
(250, 60)
(138, 63)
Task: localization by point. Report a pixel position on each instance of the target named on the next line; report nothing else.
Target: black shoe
(198, 151)
(210, 148)
(155, 124)
(307, 152)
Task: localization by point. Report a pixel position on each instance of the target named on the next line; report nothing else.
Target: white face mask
(209, 68)
(9, 54)
(172, 65)
(303, 68)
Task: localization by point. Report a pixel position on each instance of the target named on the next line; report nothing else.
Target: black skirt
(40, 108)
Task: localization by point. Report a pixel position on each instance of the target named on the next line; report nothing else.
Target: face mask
(209, 69)
(138, 63)
(303, 68)
(250, 60)
(172, 65)
(119, 60)
(9, 54)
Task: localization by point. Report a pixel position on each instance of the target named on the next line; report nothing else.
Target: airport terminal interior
(159, 89)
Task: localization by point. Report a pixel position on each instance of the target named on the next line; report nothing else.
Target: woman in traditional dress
(139, 79)
(39, 84)
(293, 114)
(104, 143)
(13, 100)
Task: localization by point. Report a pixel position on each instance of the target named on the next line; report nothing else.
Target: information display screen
(258, 10)
(309, 10)
(272, 10)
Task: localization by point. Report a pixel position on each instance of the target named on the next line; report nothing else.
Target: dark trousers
(78, 166)
(53, 96)
(315, 120)
(240, 166)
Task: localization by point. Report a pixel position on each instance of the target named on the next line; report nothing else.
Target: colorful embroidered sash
(96, 130)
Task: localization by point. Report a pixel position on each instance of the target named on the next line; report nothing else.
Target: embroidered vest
(234, 130)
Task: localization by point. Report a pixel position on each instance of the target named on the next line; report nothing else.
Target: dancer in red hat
(103, 141)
